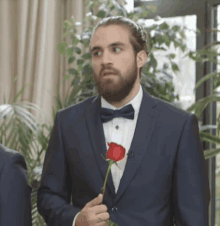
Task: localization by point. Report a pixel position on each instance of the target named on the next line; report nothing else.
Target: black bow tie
(109, 114)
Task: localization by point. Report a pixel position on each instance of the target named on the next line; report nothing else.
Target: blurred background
(45, 66)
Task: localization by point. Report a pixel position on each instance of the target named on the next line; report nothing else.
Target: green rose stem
(107, 175)
(110, 162)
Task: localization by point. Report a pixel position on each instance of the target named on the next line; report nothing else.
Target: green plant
(208, 54)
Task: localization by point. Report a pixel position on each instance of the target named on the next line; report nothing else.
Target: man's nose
(106, 58)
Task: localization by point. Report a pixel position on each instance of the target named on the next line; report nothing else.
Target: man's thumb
(96, 201)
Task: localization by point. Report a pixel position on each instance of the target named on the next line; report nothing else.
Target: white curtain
(29, 33)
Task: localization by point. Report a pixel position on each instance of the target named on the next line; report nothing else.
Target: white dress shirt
(120, 131)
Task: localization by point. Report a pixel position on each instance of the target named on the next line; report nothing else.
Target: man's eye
(117, 49)
(98, 53)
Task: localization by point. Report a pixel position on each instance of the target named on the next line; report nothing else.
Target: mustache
(109, 68)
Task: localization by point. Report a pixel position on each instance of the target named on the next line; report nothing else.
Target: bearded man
(161, 180)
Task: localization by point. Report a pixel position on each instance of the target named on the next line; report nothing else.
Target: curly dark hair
(138, 37)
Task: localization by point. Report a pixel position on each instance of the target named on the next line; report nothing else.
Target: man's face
(113, 53)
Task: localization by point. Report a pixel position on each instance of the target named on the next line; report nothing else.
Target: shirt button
(117, 127)
(114, 209)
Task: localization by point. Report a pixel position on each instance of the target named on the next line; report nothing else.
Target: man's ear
(141, 58)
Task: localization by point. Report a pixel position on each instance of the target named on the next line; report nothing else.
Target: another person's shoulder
(8, 155)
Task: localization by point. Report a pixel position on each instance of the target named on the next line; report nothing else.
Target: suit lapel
(144, 129)
(97, 138)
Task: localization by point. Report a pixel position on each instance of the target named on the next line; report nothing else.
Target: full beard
(116, 89)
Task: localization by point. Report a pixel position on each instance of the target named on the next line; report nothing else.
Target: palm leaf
(205, 78)
(207, 137)
(200, 105)
(211, 153)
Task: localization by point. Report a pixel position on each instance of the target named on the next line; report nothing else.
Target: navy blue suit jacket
(165, 178)
(15, 192)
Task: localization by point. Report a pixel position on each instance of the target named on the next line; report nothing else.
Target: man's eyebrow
(111, 45)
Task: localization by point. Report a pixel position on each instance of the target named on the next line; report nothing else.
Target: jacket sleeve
(191, 194)
(15, 193)
(54, 192)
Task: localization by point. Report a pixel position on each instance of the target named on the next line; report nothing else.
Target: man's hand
(93, 213)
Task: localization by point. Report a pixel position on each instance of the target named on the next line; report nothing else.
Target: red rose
(115, 152)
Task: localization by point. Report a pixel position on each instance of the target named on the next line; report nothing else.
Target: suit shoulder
(170, 109)
(7, 155)
(6, 152)
(77, 109)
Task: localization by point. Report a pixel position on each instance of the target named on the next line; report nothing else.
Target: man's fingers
(92, 211)
(102, 224)
(99, 209)
(102, 218)
(96, 201)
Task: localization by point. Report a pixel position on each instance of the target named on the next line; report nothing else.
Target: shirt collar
(135, 102)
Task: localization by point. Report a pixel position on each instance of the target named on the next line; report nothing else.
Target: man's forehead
(116, 27)
(107, 35)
